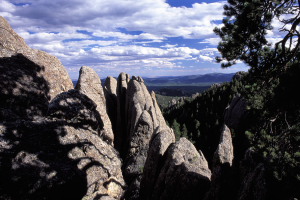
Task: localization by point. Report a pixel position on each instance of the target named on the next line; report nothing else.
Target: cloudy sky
(144, 37)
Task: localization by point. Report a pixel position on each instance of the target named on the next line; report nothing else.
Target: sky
(146, 37)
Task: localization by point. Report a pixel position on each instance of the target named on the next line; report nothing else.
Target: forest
(268, 120)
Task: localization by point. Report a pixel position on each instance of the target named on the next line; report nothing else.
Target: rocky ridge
(93, 142)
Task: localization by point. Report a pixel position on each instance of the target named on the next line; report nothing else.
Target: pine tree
(184, 131)
(176, 127)
(245, 28)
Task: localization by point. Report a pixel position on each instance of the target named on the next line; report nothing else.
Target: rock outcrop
(89, 84)
(236, 113)
(224, 152)
(24, 93)
(158, 146)
(57, 142)
(184, 174)
(222, 175)
(110, 91)
(122, 85)
(51, 69)
(144, 120)
(61, 156)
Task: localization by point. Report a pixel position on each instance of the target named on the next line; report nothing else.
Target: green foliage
(176, 128)
(245, 28)
(184, 131)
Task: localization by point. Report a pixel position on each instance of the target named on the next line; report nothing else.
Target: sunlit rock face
(184, 174)
(53, 72)
(89, 83)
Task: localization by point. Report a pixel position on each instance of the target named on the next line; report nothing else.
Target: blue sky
(145, 37)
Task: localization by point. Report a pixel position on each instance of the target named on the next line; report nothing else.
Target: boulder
(184, 175)
(51, 69)
(89, 84)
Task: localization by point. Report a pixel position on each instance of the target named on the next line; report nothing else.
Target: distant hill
(182, 85)
(192, 80)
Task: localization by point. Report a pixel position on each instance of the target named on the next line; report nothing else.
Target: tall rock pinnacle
(89, 84)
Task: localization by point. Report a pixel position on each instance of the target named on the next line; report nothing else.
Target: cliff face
(91, 142)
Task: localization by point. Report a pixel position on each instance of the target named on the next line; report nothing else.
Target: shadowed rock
(154, 162)
(53, 71)
(253, 174)
(236, 113)
(123, 80)
(49, 150)
(184, 175)
(222, 180)
(80, 126)
(110, 91)
(89, 84)
(137, 154)
(52, 159)
(23, 91)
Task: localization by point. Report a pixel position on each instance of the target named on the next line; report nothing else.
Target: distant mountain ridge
(188, 80)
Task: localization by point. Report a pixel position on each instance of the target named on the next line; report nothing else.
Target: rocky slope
(57, 142)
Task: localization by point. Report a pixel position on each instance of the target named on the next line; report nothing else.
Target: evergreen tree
(184, 131)
(245, 28)
(176, 127)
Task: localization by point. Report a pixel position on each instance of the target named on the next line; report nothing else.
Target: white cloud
(212, 41)
(115, 33)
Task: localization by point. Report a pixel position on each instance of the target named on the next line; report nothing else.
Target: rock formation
(184, 174)
(89, 84)
(224, 152)
(158, 146)
(221, 186)
(123, 80)
(51, 68)
(236, 113)
(61, 156)
(144, 120)
(110, 91)
(98, 159)
(57, 142)
(24, 93)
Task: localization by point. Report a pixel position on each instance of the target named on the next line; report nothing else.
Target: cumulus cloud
(117, 33)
